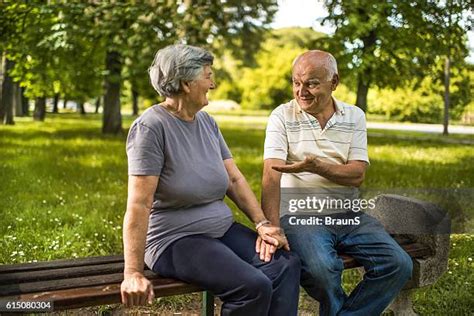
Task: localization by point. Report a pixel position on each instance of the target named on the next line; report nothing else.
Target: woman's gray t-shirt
(188, 158)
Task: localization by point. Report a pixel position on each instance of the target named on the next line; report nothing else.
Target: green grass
(63, 191)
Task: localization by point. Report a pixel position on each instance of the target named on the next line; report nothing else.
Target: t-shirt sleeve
(145, 151)
(276, 141)
(225, 151)
(358, 148)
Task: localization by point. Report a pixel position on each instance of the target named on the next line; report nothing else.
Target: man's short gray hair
(176, 63)
(328, 62)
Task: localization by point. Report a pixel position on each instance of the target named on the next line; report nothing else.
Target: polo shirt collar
(339, 106)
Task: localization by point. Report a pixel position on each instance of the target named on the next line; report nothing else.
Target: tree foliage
(78, 48)
(422, 102)
(266, 83)
(389, 43)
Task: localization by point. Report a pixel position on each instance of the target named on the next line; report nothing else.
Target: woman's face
(199, 87)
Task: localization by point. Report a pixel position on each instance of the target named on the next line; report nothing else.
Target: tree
(40, 109)
(36, 62)
(388, 43)
(11, 19)
(450, 42)
(28, 42)
(112, 117)
(7, 101)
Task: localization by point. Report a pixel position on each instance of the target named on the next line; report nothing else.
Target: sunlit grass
(63, 190)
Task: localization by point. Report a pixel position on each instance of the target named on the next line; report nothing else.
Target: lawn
(63, 192)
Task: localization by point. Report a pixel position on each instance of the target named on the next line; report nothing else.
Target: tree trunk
(55, 103)
(25, 103)
(65, 103)
(363, 78)
(80, 108)
(97, 104)
(1, 77)
(40, 109)
(9, 112)
(135, 101)
(447, 77)
(17, 98)
(362, 92)
(112, 118)
(6, 106)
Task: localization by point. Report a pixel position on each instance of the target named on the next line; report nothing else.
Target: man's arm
(271, 190)
(136, 289)
(350, 174)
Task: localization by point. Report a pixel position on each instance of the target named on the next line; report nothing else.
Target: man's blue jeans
(388, 267)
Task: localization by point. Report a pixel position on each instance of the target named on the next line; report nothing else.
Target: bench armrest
(420, 222)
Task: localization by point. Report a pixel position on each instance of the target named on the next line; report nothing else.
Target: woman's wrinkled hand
(136, 290)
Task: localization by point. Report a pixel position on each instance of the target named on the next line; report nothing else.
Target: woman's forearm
(134, 236)
(240, 193)
(135, 223)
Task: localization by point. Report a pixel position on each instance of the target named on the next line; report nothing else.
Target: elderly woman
(176, 222)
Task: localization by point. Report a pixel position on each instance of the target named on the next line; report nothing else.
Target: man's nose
(302, 91)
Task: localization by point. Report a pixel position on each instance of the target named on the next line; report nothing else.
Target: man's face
(311, 87)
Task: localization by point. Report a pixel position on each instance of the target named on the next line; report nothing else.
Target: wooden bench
(421, 229)
(96, 281)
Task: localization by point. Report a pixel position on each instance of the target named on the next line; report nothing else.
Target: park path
(425, 128)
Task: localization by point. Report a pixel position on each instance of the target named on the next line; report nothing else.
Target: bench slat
(416, 250)
(62, 263)
(61, 273)
(105, 294)
(69, 283)
(51, 285)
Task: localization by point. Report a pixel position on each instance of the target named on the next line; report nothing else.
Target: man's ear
(334, 82)
(185, 86)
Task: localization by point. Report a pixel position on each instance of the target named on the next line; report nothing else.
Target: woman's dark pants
(230, 268)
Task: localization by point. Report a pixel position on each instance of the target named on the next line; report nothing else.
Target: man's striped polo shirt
(292, 134)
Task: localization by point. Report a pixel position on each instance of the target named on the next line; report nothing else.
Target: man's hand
(270, 238)
(136, 290)
(307, 165)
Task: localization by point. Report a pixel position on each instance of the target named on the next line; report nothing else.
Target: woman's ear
(185, 86)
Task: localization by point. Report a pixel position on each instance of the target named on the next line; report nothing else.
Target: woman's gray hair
(176, 63)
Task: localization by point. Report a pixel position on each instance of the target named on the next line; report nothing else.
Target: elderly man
(315, 142)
